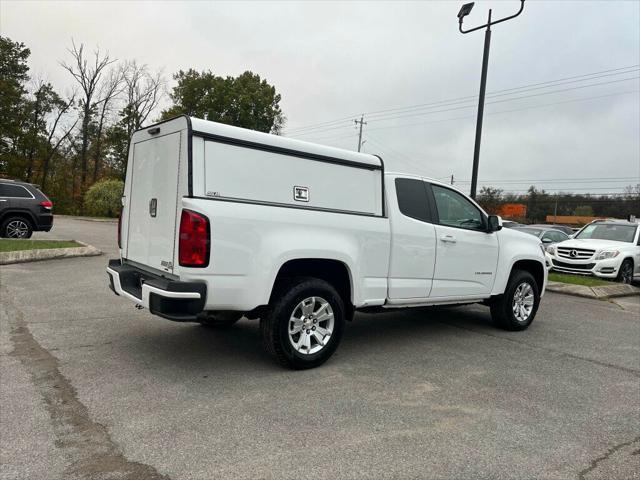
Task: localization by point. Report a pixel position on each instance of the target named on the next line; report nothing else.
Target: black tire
(274, 326)
(625, 275)
(502, 310)
(219, 319)
(13, 223)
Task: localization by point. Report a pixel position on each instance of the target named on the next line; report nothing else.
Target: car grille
(574, 266)
(580, 253)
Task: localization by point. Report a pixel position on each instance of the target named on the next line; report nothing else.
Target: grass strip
(15, 245)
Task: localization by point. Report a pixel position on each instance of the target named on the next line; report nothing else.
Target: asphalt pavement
(92, 388)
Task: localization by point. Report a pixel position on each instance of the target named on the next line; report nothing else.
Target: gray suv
(23, 210)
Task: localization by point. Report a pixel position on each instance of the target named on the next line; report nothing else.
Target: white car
(220, 222)
(604, 248)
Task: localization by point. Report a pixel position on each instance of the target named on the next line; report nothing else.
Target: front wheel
(517, 308)
(305, 323)
(625, 275)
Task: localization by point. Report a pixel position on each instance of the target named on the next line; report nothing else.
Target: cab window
(454, 210)
(412, 198)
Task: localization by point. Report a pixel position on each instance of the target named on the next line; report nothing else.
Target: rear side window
(14, 191)
(412, 198)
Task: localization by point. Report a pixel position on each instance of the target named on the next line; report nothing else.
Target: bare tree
(632, 192)
(87, 72)
(144, 91)
(53, 142)
(109, 90)
(40, 91)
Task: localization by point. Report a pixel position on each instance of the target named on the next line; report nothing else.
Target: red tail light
(48, 204)
(119, 228)
(195, 237)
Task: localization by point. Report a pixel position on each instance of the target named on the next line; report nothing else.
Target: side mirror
(493, 224)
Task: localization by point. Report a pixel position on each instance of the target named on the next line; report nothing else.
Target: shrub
(103, 199)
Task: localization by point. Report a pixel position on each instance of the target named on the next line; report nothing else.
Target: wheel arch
(19, 213)
(335, 272)
(631, 259)
(534, 267)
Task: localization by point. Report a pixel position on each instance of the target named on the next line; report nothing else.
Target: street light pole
(464, 11)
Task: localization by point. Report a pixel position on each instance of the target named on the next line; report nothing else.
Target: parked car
(511, 224)
(24, 209)
(220, 222)
(604, 248)
(547, 235)
(563, 228)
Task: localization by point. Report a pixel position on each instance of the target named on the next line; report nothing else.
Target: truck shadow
(239, 348)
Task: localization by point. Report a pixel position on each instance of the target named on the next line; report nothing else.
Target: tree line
(65, 142)
(540, 203)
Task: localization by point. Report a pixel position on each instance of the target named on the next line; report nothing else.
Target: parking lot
(92, 388)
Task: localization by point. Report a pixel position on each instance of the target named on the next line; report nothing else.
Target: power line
(494, 95)
(509, 99)
(505, 111)
(488, 103)
(396, 153)
(458, 99)
(602, 73)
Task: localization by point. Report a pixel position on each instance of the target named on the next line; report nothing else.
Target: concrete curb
(600, 293)
(90, 219)
(22, 256)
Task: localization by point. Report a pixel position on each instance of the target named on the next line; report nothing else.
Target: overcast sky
(332, 61)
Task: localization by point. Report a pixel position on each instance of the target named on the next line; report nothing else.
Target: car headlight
(551, 249)
(604, 254)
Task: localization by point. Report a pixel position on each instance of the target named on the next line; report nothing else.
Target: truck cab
(220, 222)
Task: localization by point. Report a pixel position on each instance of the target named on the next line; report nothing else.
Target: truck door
(467, 256)
(413, 246)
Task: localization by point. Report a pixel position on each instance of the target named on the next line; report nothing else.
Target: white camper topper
(196, 158)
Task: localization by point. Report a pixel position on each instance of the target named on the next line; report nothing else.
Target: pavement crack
(597, 461)
(87, 444)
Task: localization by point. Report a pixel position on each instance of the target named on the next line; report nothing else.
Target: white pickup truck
(220, 222)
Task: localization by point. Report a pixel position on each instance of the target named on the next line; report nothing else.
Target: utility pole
(555, 211)
(464, 11)
(361, 122)
(452, 179)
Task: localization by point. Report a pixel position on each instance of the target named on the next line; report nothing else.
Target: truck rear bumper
(174, 300)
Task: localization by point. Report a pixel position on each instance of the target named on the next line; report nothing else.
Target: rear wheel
(16, 227)
(517, 308)
(625, 275)
(305, 323)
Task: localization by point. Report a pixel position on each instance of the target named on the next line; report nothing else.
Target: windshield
(617, 233)
(531, 231)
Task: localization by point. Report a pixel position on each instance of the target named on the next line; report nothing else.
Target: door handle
(448, 239)
(153, 207)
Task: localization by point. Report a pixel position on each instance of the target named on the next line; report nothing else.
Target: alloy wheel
(311, 325)
(17, 229)
(523, 300)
